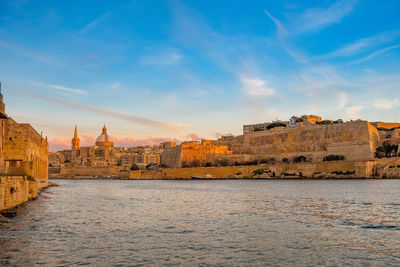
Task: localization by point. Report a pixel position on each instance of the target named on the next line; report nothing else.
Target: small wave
(371, 226)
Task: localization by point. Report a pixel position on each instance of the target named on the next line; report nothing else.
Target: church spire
(76, 133)
(75, 142)
(104, 129)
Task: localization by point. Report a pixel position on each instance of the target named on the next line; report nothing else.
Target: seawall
(15, 190)
(378, 168)
(343, 169)
(82, 171)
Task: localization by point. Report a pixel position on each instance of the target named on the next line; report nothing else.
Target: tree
(299, 159)
(223, 162)
(134, 167)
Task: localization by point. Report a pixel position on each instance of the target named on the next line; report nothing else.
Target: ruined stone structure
(23, 160)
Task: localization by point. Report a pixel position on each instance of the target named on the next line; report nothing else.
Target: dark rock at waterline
(8, 214)
(4, 219)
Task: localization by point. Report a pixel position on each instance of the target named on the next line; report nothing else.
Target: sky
(156, 71)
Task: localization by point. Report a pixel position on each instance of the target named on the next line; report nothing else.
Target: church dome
(104, 139)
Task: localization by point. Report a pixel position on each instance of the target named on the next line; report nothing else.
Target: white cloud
(317, 18)
(352, 113)
(63, 88)
(386, 103)
(376, 53)
(93, 24)
(364, 43)
(169, 58)
(256, 87)
(282, 33)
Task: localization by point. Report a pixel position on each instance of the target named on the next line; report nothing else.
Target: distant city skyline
(186, 70)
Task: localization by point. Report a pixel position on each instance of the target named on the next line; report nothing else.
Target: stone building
(23, 160)
(22, 150)
(193, 153)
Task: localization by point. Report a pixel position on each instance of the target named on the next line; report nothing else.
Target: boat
(205, 177)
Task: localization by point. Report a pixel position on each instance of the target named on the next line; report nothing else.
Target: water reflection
(244, 222)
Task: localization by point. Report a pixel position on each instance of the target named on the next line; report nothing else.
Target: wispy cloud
(35, 55)
(282, 36)
(352, 113)
(253, 86)
(363, 44)
(168, 58)
(376, 53)
(118, 115)
(63, 88)
(381, 103)
(317, 18)
(93, 24)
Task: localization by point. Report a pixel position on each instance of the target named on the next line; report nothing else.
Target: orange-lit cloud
(58, 144)
(118, 115)
(194, 137)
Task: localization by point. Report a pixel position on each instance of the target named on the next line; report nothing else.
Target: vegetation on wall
(299, 159)
(260, 172)
(386, 150)
(333, 157)
(134, 167)
(275, 124)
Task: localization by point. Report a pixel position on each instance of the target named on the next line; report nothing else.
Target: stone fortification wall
(186, 173)
(343, 169)
(355, 140)
(387, 168)
(192, 153)
(171, 157)
(15, 190)
(24, 148)
(101, 171)
(385, 125)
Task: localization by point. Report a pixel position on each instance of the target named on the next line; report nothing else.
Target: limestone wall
(22, 145)
(309, 170)
(355, 140)
(70, 172)
(15, 190)
(186, 173)
(171, 157)
(385, 125)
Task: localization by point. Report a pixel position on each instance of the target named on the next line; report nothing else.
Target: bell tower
(75, 142)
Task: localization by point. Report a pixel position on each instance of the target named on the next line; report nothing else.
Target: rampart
(193, 153)
(92, 171)
(356, 140)
(340, 169)
(15, 190)
(385, 125)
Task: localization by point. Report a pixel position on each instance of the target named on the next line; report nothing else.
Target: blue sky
(155, 70)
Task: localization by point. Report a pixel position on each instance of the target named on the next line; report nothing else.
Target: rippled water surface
(231, 222)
